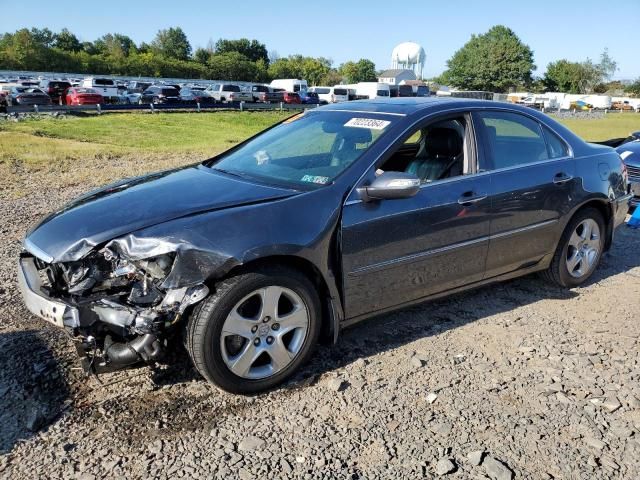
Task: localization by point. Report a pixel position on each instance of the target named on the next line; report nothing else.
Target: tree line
(496, 61)
(169, 54)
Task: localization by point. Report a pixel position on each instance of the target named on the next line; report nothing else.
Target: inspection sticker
(370, 123)
(315, 179)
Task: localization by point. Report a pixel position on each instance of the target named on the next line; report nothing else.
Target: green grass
(613, 125)
(91, 150)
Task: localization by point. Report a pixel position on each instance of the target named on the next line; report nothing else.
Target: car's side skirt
(540, 265)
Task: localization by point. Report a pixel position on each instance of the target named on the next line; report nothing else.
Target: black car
(55, 89)
(332, 216)
(159, 95)
(193, 96)
(3, 104)
(21, 96)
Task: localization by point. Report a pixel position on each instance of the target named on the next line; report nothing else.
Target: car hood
(131, 204)
(630, 153)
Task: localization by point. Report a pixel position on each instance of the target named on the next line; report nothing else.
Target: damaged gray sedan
(323, 220)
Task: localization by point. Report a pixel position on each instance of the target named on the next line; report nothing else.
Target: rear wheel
(579, 251)
(255, 330)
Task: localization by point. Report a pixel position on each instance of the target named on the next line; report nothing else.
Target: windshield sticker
(315, 179)
(625, 154)
(370, 123)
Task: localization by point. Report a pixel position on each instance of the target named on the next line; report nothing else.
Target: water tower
(410, 56)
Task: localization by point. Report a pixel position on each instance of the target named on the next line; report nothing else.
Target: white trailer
(289, 84)
(370, 90)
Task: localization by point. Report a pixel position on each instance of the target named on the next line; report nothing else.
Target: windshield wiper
(228, 172)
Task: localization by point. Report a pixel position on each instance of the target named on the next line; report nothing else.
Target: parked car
(331, 94)
(226, 92)
(274, 96)
(622, 105)
(580, 105)
(257, 92)
(291, 97)
(55, 89)
(327, 219)
(20, 96)
(159, 95)
(629, 150)
(82, 96)
(309, 97)
(3, 104)
(136, 86)
(289, 84)
(105, 87)
(190, 95)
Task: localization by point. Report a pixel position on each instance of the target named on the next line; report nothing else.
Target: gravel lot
(517, 380)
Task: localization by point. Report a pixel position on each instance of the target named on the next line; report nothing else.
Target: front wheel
(579, 251)
(255, 330)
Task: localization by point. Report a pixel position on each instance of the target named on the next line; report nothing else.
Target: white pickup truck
(104, 86)
(226, 92)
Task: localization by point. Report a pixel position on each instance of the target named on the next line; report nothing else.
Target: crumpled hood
(140, 202)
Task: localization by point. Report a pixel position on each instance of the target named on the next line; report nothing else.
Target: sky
(349, 30)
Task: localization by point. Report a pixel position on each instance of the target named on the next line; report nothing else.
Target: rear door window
(555, 146)
(511, 140)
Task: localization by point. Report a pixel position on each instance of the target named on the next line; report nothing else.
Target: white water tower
(410, 56)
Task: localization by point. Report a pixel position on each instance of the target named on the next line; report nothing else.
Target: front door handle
(562, 178)
(470, 198)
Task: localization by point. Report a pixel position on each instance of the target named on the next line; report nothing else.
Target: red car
(82, 96)
(290, 97)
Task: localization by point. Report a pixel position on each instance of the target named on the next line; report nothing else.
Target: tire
(592, 248)
(234, 301)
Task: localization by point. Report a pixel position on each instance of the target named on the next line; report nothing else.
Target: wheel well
(607, 214)
(312, 273)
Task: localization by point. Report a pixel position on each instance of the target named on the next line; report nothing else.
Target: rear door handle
(562, 178)
(470, 198)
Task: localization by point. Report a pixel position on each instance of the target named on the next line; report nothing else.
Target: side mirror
(390, 185)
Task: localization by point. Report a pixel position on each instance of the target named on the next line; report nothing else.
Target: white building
(396, 76)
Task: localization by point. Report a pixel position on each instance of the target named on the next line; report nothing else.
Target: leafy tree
(331, 78)
(361, 71)
(578, 77)
(172, 43)
(493, 61)
(43, 36)
(607, 65)
(252, 49)
(202, 55)
(634, 88)
(115, 45)
(234, 66)
(67, 41)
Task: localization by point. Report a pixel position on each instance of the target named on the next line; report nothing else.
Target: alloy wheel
(584, 248)
(264, 332)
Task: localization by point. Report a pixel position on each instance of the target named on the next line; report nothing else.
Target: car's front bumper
(38, 302)
(634, 189)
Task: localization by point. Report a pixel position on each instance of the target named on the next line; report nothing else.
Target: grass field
(92, 150)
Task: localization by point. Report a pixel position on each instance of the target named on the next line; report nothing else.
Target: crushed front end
(117, 310)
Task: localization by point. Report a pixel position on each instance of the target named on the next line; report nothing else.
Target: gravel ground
(517, 380)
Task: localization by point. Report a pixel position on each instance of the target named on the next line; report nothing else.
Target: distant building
(396, 76)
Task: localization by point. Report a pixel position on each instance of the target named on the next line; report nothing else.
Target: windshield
(307, 149)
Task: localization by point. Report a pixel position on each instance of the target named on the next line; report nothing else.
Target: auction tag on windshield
(625, 154)
(315, 179)
(370, 123)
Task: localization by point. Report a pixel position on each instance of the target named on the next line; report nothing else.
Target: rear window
(60, 84)
(103, 81)
(383, 93)
(340, 91)
(231, 88)
(86, 90)
(169, 92)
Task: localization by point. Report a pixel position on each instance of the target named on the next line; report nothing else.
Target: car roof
(410, 105)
